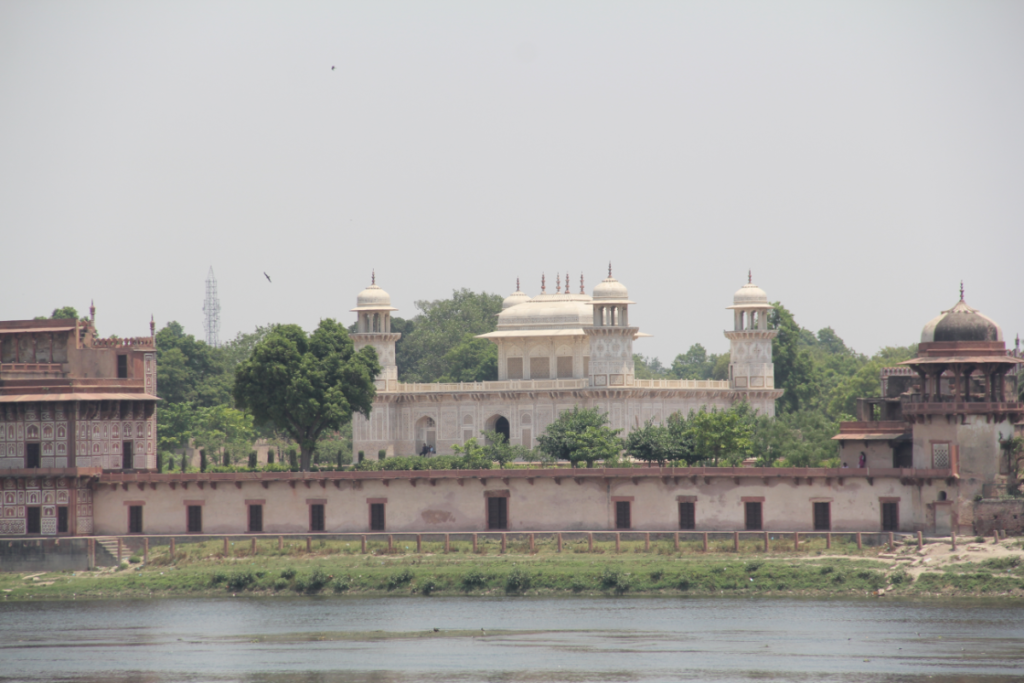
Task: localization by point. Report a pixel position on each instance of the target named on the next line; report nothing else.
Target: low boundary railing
(121, 548)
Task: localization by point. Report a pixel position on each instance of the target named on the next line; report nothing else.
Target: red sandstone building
(71, 407)
(947, 409)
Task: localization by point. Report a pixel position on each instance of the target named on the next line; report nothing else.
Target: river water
(349, 640)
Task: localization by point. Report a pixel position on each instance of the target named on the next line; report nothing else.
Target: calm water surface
(344, 640)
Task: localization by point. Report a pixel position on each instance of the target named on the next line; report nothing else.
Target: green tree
(177, 423)
(440, 327)
(830, 342)
(240, 348)
(1013, 448)
(307, 385)
(681, 438)
(651, 443)
(720, 371)
(335, 449)
(720, 437)
(648, 368)
(190, 370)
(65, 313)
(222, 428)
(770, 438)
(811, 444)
(472, 360)
(866, 382)
(693, 364)
(499, 450)
(580, 435)
(474, 456)
(793, 366)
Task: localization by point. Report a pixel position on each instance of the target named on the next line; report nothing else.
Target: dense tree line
(822, 378)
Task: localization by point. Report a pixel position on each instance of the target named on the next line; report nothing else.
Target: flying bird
(267, 276)
(332, 68)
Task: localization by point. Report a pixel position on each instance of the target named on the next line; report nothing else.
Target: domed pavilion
(556, 350)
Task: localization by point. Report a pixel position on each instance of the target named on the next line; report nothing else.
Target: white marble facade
(555, 351)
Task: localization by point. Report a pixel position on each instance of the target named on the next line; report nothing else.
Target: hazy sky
(862, 158)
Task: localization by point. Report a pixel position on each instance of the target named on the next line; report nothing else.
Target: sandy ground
(936, 555)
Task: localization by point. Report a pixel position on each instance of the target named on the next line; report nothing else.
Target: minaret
(611, 337)
(750, 349)
(373, 306)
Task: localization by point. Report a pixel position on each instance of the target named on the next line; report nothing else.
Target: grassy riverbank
(340, 568)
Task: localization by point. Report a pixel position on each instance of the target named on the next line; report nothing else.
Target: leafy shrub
(241, 580)
(368, 466)
(399, 463)
(316, 581)
(827, 569)
(288, 573)
(340, 584)
(753, 566)
(428, 587)
(683, 584)
(280, 584)
(900, 577)
(399, 579)
(517, 582)
(656, 576)
(618, 582)
(1002, 563)
(218, 578)
(473, 580)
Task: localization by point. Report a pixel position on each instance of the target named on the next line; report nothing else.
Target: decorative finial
(961, 290)
(558, 280)
(609, 269)
(581, 284)
(152, 326)
(373, 276)
(543, 284)
(92, 310)
(517, 284)
(750, 277)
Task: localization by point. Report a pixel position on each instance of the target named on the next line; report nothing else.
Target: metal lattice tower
(211, 307)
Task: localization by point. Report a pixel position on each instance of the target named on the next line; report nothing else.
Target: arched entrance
(499, 424)
(426, 434)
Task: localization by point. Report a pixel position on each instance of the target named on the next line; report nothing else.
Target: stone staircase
(106, 552)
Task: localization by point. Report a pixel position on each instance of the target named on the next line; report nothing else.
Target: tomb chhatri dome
(373, 298)
(961, 324)
(515, 298)
(750, 296)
